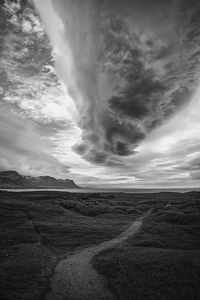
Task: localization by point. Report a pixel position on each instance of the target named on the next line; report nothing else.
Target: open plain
(140, 246)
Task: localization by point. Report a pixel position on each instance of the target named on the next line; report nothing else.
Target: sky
(106, 93)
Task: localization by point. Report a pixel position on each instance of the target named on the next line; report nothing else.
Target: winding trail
(75, 278)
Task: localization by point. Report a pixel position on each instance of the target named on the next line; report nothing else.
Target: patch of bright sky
(164, 158)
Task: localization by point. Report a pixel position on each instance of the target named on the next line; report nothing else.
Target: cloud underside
(129, 74)
(111, 97)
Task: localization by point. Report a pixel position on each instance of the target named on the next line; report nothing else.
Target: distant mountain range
(13, 180)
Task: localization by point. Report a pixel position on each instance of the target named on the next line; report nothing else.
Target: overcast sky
(103, 92)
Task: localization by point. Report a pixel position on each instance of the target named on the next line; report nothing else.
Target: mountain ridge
(12, 179)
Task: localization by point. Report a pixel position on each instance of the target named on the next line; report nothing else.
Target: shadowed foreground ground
(75, 277)
(39, 229)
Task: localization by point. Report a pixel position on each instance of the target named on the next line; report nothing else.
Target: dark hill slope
(12, 179)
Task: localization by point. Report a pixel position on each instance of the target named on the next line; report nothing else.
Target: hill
(13, 180)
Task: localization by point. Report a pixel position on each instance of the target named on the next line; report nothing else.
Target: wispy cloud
(22, 148)
(123, 113)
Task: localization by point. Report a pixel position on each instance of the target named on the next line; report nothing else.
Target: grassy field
(40, 228)
(163, 260)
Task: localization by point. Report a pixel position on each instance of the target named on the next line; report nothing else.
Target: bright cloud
(44, 113)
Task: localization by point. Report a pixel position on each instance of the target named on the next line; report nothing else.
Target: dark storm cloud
(142, 91)
(96, 157)
(132, 64)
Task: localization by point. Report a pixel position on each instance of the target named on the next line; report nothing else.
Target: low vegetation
(163, 260)
(40, 228)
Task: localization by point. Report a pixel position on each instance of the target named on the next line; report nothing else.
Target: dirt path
(75, 278)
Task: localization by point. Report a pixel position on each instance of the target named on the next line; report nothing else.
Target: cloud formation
(123, 109)
(33, 106)
(128, 67)
(23, 149)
